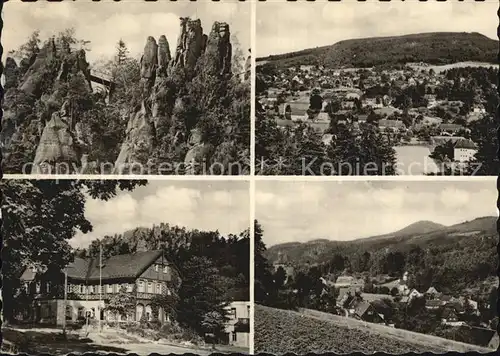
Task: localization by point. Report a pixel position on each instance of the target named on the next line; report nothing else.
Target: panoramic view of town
(400, 267)
(108, 266)
(394, 104)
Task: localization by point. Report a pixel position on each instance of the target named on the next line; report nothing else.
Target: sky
(203, 205)
(104, 23)
(303, 211)
(301, 25)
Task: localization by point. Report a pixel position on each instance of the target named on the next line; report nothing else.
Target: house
(393, 125)
(414, 294)
(450, 128)
(432, 292)
(372, 297)
(294, 110)
(345, 293)
(349, 281)
(238, 326)
(434, 304)
(450, 317)
(464, 150)
(145, 274)
(365, 311)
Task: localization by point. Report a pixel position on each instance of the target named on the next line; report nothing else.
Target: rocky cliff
(164, 102)
(180, 104)
(34, 97)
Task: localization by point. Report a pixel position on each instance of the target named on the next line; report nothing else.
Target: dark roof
(361, 308)
(450, 127)
(434, 303)
(120, 266)
(390, 123)
(465, 143)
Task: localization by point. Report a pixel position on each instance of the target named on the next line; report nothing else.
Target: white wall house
(238, 326)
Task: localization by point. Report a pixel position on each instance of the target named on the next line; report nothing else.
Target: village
(414, 105)
(376, 300)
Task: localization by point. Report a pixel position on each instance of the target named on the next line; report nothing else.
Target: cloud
(302, 25)
(205, 208)
(302, 211)
(105, 23)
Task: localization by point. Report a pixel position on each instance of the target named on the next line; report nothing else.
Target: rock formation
(164, 56)
(149, 63)
(175, 93)
(210, 55)
(57, 145)
(218, 51)
(11, 73)
(43, 72)
(139, 137)
(190, 45)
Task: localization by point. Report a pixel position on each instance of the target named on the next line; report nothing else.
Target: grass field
(280, 331)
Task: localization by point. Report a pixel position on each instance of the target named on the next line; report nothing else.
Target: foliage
(201, 293)
(122, 303)
(434, 48)
(278, 332)
(35, 233)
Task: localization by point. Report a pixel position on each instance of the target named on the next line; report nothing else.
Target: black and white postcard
(128, 87)
(125, 267)
(378, 88)
(378, 266)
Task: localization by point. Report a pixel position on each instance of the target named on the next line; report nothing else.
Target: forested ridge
(433, 48)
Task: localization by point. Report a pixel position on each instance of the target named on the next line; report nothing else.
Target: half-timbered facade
(90, 286)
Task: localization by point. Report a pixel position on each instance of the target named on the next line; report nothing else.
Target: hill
(420, 227)
(433, 48)
(278, 331)
(421, 233)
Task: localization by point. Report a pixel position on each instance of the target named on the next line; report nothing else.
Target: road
(146, 349)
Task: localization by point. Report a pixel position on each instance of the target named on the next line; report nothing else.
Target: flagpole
(100, 284)
(65, 299)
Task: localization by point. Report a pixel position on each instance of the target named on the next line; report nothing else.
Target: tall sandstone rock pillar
(190, 45)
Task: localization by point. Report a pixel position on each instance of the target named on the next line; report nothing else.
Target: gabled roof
(119, 266)
(465, 143)
(450, 127)
(391, 123)
(361, 308)
(432, 290)
(434, 303)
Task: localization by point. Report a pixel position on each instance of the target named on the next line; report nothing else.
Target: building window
(141, 286)
(92, 290)
(37, 287)
(150, 287)
(130, 287)
(81, 288)
(157, 268)
(68, 288)
(69, 312)
(81, 312)
(165, 269)
(110, 288)
(248, 311)
(233, 313)
(235, 338)
(158, 288)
